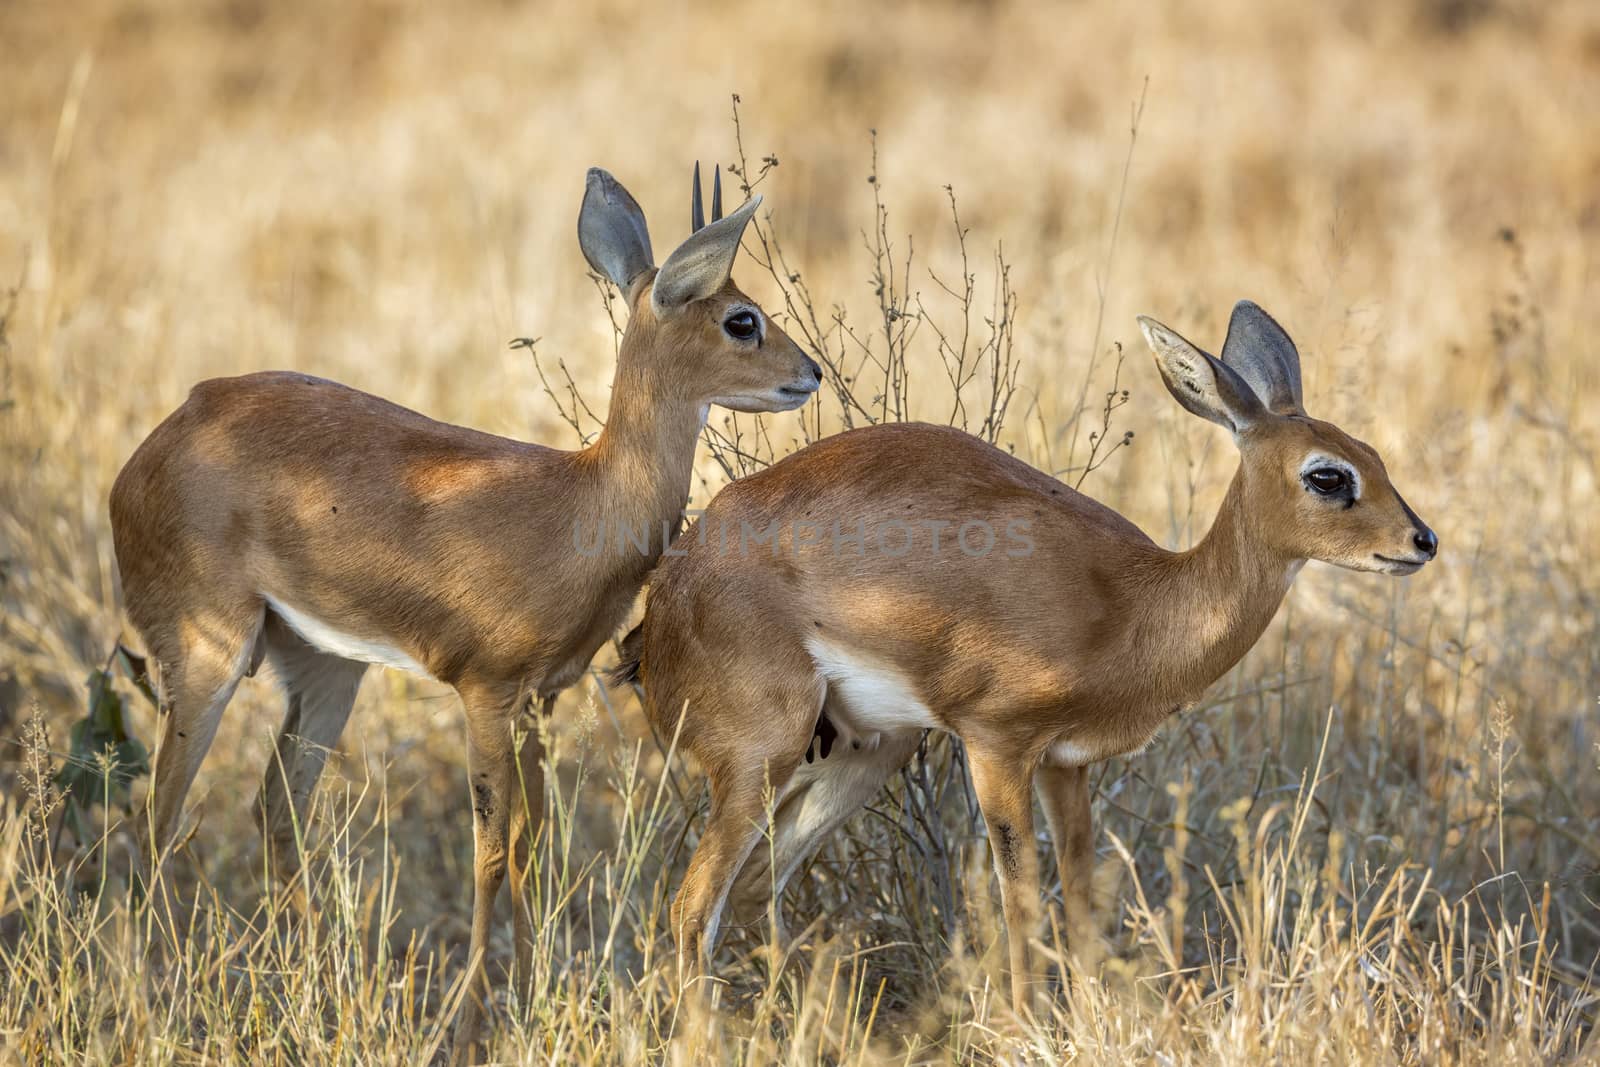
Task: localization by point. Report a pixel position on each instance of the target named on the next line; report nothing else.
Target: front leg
(492, 768)
(527, 815)
(1064, 795)
(1003, 784)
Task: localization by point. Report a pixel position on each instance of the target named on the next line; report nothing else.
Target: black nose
(816, 375)
(1427, 542)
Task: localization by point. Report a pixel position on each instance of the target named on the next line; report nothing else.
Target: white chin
(1399, 568)
(775, 400)
(1373, 565)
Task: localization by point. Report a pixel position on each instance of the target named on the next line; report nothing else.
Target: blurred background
(386, 194)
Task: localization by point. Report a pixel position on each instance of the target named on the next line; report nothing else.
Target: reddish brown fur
(1093, 639)
(454, 547)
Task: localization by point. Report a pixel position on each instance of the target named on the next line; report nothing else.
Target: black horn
(697, 211)
(716, 192)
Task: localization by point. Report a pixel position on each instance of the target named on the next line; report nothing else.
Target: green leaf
(99, 738)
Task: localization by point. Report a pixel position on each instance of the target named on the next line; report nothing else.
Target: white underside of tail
(320, 635)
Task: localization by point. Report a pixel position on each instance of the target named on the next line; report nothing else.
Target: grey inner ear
(612, 230)
(701, 265)
(1259, 349)
(1241, 402)
(1203, 384)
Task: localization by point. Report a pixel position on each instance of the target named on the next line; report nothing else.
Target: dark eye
(742, 326)
(1328, 480)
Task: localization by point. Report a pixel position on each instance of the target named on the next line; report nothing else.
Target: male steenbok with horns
(282, 517)
(902, 578)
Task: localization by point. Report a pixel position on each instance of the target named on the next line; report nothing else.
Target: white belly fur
(1069, 754)
(1076, 754)
(874, 697)
(319, 634)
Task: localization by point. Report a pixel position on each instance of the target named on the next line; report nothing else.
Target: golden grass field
(1378, 841)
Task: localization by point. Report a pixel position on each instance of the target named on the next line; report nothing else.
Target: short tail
(630, 651)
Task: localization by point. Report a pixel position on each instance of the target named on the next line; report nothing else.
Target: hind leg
(200, 669)
(745, 767)
(321, 690)
(823, 795)
(735, 826)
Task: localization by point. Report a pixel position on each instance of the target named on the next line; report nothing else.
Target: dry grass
(1378, 843)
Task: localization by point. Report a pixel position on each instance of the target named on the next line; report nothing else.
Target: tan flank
(283, 517)
(918, 578)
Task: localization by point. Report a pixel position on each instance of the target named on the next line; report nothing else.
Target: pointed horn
(716, 193)
(697, 211)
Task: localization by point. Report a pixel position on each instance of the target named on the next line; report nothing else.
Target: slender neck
(1206, 607)
(642, 463)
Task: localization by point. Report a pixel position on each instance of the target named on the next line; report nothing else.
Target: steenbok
(900, 578)
(282, 517)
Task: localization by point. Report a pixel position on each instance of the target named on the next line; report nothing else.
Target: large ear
(612, 231)
(701, 265)
(1200, 382)
(1262, 353)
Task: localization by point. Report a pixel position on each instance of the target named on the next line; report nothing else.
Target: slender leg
(492, 769)
(1064, 795)
(321, 690)
(197, 683)
(749, 730)
(738, 817)
(1003, 785)
(527, 814)
(822, 796)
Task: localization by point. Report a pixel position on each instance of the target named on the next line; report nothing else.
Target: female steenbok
(284, 517)
(902, 578)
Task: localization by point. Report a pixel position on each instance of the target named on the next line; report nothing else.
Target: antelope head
(692, 331)
(1311, 490)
